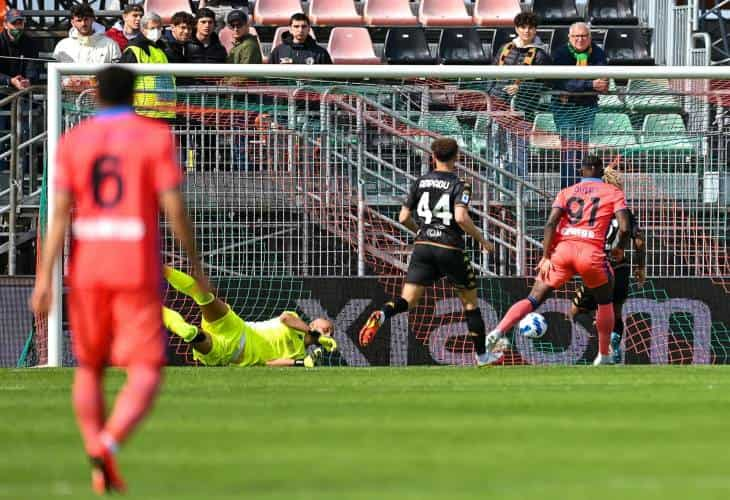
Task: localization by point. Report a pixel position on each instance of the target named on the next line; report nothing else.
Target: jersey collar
(115, 111)
(591, 179)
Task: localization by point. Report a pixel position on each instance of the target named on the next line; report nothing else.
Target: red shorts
(571, 257)
(118, 328)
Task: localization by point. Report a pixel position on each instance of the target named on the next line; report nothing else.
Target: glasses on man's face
(580, 36)
(236, 26)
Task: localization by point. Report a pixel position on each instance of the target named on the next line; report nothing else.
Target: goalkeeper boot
(616, 347)
(105, 476)
(372, 325)
(311, 360)
(603, 359)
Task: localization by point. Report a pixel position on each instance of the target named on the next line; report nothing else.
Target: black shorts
(583, 299)
(430, 263)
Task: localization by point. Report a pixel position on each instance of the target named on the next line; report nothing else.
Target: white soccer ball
(533, 326)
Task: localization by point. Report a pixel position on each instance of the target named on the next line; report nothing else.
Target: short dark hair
(115, 86)
(133, 7)
(204, 13)
(595, 162)
(182, 17)
(299, 16)
(81, 10)
(445, 149)
(527, 19)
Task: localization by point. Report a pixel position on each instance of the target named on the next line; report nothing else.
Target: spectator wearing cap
(17, 53)
(204, 46)
(83, 45)
(246, 48)
(297, 46)
(175, 38)
(155, 95)
(125, 30)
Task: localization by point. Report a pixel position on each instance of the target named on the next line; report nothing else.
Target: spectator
(17, 52)
(177, 36)
(297, 46)
(128, 28)
(204, 46)
(246, 48)
(155, 95)
(574, 114)
(82, 44)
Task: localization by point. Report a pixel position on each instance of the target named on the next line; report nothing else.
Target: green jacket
(245, 51)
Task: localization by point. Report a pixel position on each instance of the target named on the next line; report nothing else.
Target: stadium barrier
(298, 177)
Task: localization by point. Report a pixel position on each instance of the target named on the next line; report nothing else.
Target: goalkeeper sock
(174, 322)
(186, 284)
(399, 305)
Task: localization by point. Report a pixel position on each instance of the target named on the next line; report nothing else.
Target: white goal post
(342, 73)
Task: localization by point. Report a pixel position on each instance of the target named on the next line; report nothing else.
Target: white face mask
(153, 34)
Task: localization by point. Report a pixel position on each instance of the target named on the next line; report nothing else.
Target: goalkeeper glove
(329, 343)
(311, 359)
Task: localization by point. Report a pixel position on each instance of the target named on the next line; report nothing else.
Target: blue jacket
(563, 57)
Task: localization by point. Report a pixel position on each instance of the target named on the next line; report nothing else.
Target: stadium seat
(351, 46)
(501, 36)
(558, 12)
(495, 12)
(628, 47)
(443, 13)
(667, 134)
(444, 124)
(461, 46)
(544, 133)
(407, 46)
(166, 8)
(652, 96)
(334, 13)
(611, 102)
(479, 142)
(611, 12)
(612, 131)
(275, 12)
(388, 13)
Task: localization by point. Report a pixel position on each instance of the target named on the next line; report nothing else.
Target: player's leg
(582, 303)
(422, 272)
(597, 275)
(190, 334)
(212, 307)
(622, 276)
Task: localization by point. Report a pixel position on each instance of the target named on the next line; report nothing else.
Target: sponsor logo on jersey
(434, 183)
(574, 231)
(433, 233)
(465, 198)
(108, 228)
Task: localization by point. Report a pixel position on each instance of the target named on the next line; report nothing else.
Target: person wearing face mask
(17, 51)
(155, 95)
(83, 44)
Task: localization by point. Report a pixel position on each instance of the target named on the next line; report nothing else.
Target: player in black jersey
(584, 302)
(440, 201)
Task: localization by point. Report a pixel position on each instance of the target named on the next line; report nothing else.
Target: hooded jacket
(97, 49)
(245, 51)
(117, 34)
(300, 53)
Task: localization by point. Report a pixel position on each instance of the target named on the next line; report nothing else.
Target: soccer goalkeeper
(225, 339)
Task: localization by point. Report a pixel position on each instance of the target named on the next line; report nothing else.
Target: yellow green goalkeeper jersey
(271, 339)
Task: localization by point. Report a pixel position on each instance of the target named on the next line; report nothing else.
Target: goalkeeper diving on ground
(225, 339)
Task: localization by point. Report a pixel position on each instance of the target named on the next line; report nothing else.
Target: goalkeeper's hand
(329, 343)
(311, 359)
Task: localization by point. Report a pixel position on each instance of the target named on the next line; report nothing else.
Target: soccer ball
(533, 326)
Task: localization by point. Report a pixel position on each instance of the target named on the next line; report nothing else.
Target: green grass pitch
(407, 433)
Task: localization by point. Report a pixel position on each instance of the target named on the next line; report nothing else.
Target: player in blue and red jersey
(115, 170)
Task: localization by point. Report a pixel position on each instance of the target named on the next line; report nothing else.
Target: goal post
(373, 125)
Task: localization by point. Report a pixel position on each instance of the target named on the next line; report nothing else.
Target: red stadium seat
(443, 13)
(166, 8)
(388, 13)
(276, 12)
(334, 13)
(351, 46)
(495, 12)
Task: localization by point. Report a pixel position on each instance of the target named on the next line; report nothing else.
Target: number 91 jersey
(432, 200)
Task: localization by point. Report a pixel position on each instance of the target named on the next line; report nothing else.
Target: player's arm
(624, 228)
(405, 218)
(551, 229)
(310, 336)
(463, 219)
(640, 257)
(172, 203)
(42, 293)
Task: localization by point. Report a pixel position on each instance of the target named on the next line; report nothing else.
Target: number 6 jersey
(115, 165)
(588, 209)
(432, 200)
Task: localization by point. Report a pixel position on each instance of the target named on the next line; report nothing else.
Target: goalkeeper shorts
(227, 336)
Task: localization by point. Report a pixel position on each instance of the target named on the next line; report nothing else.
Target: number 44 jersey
(432, 200)
(115, 166)
(588, 208)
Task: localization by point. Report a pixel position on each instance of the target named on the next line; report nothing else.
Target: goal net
(295, 182)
